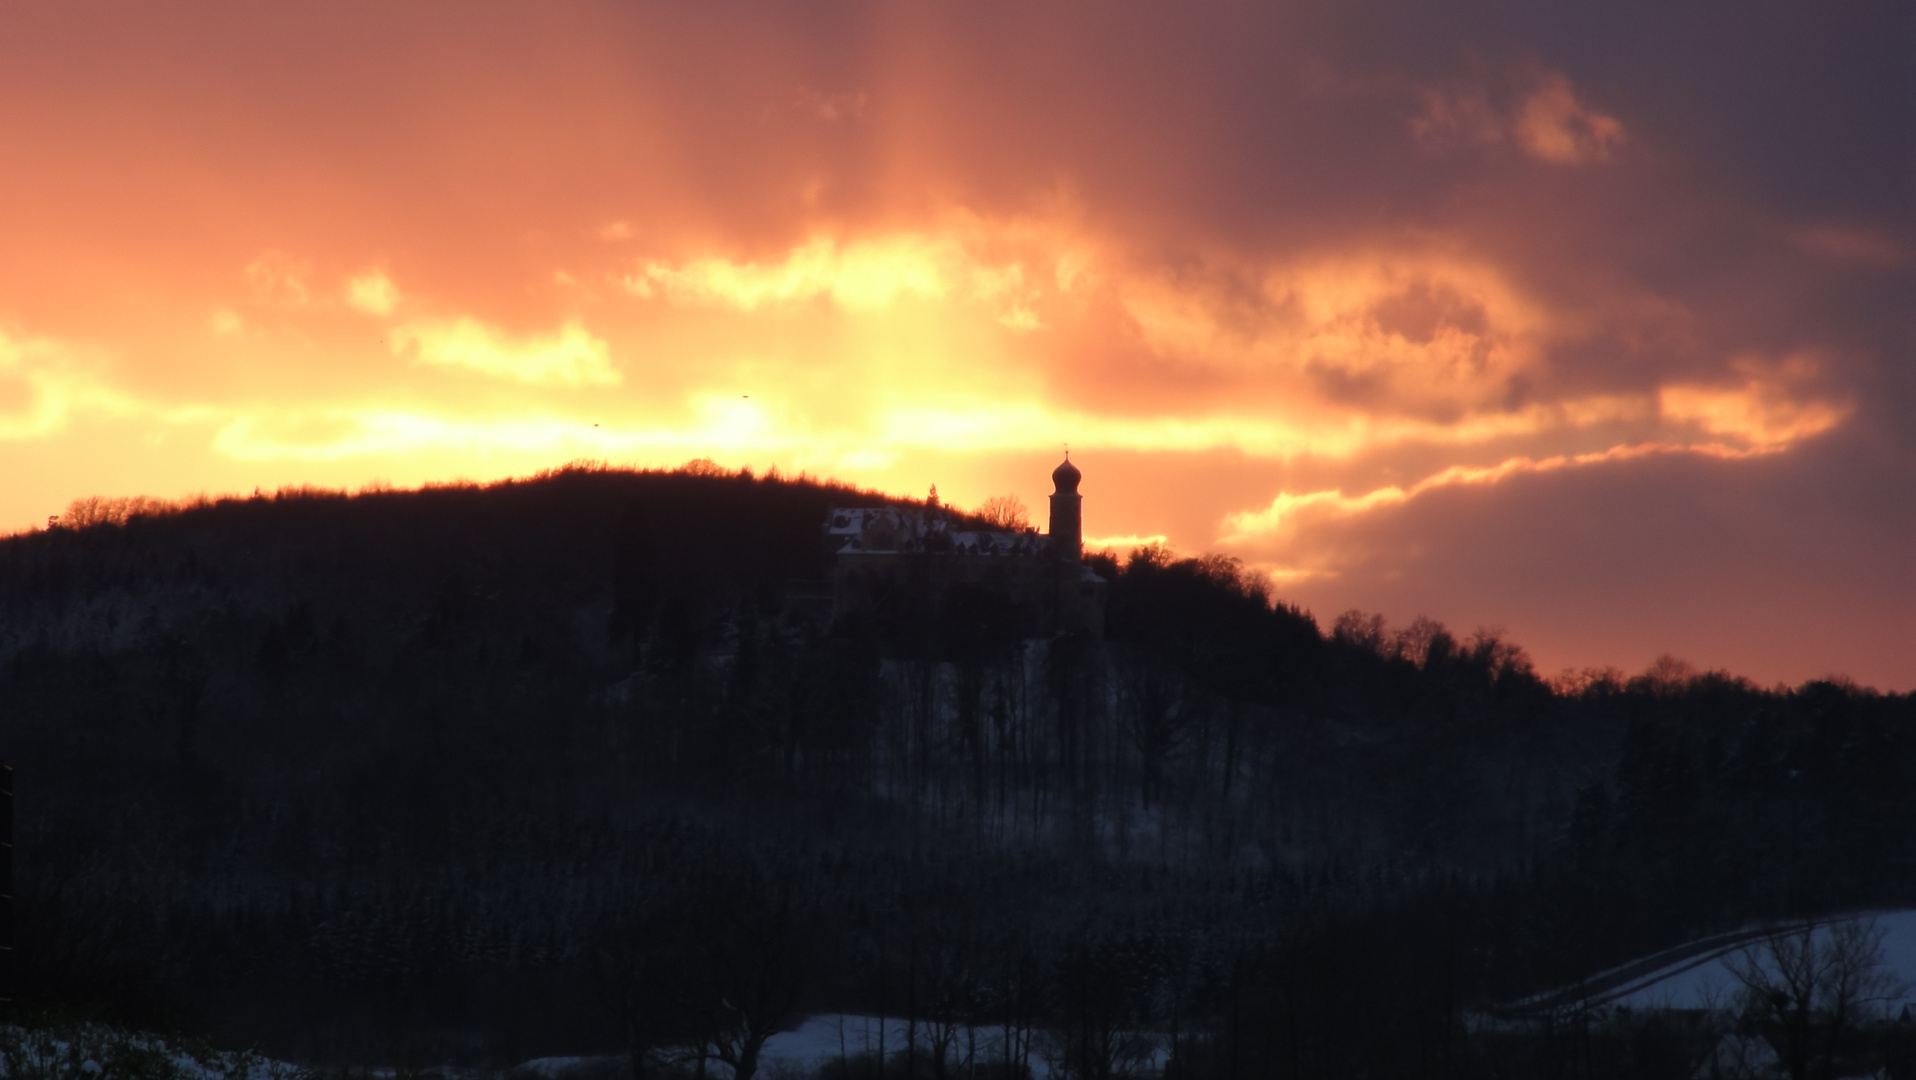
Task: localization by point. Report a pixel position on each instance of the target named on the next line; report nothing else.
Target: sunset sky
(1596, 323)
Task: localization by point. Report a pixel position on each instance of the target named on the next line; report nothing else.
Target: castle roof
(903, 529)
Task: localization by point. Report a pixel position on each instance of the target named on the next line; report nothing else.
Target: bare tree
(1108, 988)
(710, 968)
(753, 967)
(1808, 991)
(1005, 512)
(1423, 641)
(754, 970)
(1354, 627)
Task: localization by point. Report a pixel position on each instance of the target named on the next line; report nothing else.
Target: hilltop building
(917, 559)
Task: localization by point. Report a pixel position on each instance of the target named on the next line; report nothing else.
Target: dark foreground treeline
(570, 765)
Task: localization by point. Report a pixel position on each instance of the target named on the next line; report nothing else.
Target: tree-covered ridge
(461, 766)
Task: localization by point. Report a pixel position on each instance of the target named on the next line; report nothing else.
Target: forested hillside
(563, 765)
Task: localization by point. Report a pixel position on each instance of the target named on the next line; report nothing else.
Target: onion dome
(1066, 477)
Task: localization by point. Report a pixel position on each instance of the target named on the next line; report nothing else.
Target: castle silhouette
(922, 560)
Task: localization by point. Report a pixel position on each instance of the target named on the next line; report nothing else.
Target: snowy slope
(1698, 975)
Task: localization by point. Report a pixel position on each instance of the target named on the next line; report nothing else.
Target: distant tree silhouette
(1005, 512)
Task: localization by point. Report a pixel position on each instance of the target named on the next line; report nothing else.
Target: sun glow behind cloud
(877, 345)
(865, 348)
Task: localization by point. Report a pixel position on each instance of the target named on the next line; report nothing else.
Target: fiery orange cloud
(862, 276)
(1761, 414)
(46, 384)
(373, 293)
(571, 356)
(1767, 414)
(1287, 513)
(1123, 545)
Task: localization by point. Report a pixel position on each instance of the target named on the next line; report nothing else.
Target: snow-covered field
(1700, 975)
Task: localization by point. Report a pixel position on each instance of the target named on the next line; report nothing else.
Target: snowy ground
(98, 1052)
(1698, 975)
(823, 1039)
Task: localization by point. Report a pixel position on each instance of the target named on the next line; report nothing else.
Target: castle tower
(1067, 511)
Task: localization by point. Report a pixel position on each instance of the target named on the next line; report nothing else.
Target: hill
(559, 766)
